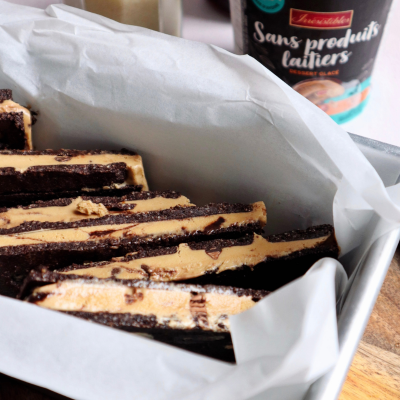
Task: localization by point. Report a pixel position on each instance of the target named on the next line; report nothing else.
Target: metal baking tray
(355, 313)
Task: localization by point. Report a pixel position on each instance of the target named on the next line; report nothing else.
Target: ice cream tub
(325, 50)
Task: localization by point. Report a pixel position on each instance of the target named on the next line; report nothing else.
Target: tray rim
(376, 144)
(356, 310)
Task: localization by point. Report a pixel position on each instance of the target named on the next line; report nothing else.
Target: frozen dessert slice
(15, 123)
(191, 260)
(249, 261)
(166, 311)
(147, 304)
(61, 211)
(58, 244)
(68, 170)
(289, 256)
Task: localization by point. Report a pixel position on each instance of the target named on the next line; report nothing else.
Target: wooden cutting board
(375, 371)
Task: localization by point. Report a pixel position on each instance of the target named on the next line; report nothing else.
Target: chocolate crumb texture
(5, 94)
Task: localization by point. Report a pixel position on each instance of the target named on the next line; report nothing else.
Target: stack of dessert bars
(81, 233)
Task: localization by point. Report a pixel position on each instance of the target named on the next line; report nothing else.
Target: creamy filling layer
(73, 212)
(187, 263)
(133, 163)
(8, 106)
(172, 308)
(146, 230)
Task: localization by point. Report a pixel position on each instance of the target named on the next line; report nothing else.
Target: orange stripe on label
(337, 107)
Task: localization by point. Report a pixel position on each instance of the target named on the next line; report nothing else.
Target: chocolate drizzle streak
(198, 309)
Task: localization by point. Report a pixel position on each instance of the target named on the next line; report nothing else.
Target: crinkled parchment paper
(218, 127)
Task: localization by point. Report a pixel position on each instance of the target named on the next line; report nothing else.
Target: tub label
(325, 50)
(320, 20)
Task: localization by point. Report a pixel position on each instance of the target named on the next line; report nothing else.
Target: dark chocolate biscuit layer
(219, 244)
(61, 177)
(138, 254)
(309, 233)
(67, 152)
(212, 344)
(25, 199)
(5, 94)
(12, 126)
(177, 212)
(12, 131)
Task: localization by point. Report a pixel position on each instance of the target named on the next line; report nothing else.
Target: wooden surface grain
(374, 373)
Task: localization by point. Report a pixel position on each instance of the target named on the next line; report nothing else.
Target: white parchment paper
(217, 127)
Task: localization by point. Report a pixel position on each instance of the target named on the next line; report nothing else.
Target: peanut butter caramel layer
(15, 123)
(160, 305)
(176, 221)
(33, 216)
(188, 261)
(68, 170)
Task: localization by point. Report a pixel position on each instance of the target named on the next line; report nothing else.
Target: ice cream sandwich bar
(59, 171)
(249, 261)
(15, 123)
(61, 243)
(61, 211)
(293, 254)
(164, 310)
